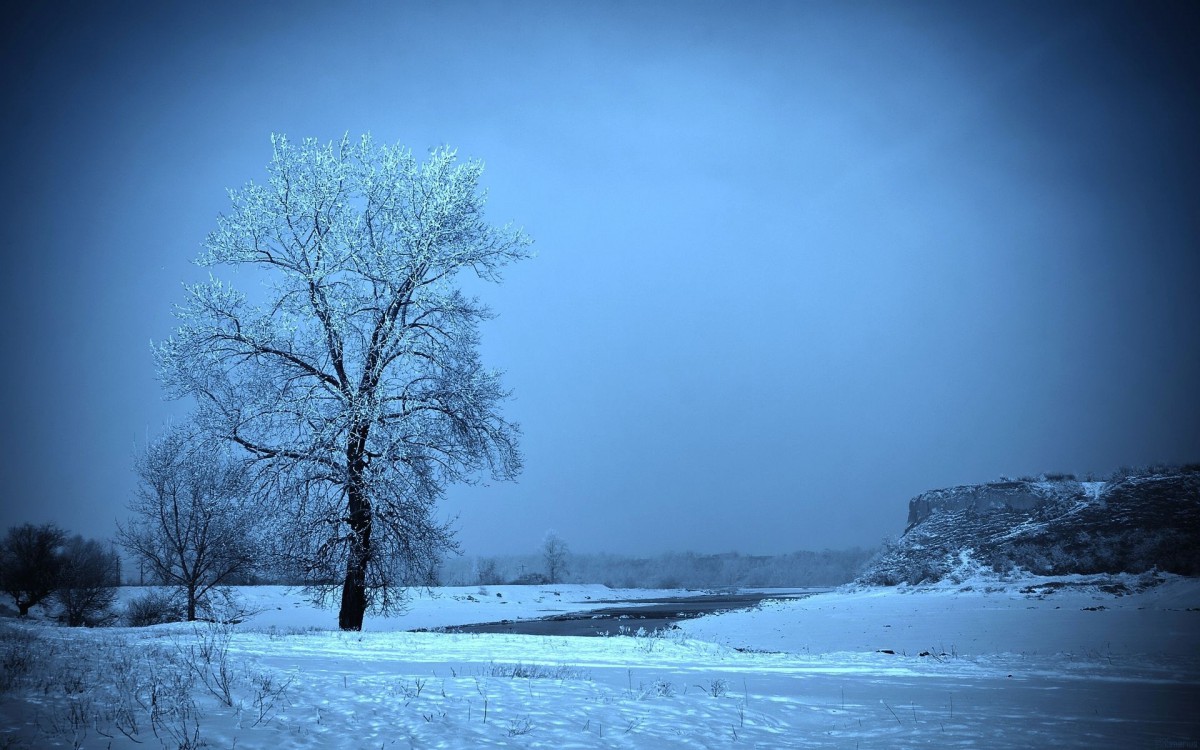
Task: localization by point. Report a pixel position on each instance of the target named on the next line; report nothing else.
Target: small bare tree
(192, 524)
(29, 563)
(486, 572)
(88, 577)
(554, 552)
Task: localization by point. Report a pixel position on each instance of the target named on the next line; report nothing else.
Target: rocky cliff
(981, 498)
(1137, 522)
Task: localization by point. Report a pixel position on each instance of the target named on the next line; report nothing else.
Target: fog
(797, 262)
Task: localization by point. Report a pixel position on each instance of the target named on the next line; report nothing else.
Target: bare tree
(486, 572)
(554, 552)
(29, 563)
(192, 522)
(355, 383)
(87, 581)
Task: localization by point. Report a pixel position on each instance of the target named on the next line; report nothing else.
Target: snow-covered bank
(1070, 615)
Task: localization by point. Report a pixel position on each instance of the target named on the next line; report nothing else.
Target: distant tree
(554, 552)
(355, 381)
(116, 556)
(86, 586)
(193, 523)
(29, 563)
(486, 572)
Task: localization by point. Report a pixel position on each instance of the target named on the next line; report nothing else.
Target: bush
(21, 653)
(901, 561)
(1058, 477)
(153, 608)
(531, 579)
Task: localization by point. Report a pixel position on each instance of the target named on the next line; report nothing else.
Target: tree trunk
(354, 594)
(191, 604)
(354, 589)
(23, 608)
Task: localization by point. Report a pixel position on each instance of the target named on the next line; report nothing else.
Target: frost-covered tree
(193, 525)
(353, 378)
(554, 552)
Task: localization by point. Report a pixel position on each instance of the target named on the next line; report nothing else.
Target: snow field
(791, 674)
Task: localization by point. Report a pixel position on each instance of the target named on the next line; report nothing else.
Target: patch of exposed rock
(981, 498)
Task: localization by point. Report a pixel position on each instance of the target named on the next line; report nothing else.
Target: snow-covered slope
(1145, 619)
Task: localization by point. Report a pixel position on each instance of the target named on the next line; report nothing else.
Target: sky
(796, 262)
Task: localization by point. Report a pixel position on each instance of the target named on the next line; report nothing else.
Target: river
(627, 616)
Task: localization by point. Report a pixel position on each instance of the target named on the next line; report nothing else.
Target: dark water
(625, 617)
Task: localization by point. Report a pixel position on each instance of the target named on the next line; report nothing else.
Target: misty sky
(797, 262)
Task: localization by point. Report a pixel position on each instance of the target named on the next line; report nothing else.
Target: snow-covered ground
(445, 606)
(1032, 663)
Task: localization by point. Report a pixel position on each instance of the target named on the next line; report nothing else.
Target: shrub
(536, 671)
(531, 579)
(21, 654)
(153, 608)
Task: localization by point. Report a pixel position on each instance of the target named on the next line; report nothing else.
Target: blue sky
(797, 262)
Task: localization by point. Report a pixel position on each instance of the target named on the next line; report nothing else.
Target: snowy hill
(1139, 522)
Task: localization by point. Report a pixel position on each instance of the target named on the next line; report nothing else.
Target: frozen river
(627, 616)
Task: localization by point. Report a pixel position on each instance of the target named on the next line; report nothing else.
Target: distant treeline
(669, 570)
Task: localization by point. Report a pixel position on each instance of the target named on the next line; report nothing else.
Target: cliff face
(980, 498)
(1139, 523)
